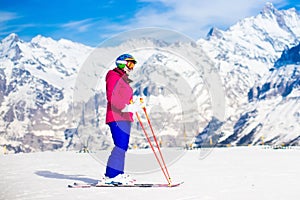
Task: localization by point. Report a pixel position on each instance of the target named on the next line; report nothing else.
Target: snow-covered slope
(227, 173)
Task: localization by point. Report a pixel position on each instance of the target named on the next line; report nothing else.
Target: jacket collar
(123, 74)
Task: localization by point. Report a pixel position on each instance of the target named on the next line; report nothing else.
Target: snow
(219, 173)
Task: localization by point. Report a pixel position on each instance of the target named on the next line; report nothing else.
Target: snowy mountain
(273, 113)
(257, 58)
(248, 55)
(36, 90)
(247, 50)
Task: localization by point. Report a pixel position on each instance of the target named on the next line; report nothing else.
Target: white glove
(133, 108)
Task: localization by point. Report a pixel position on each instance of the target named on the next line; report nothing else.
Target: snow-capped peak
(10, 47)
(41, 40)
(214, 32)
(269, 9)
(11, 38)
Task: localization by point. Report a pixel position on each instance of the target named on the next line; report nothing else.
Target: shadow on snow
(49, 174)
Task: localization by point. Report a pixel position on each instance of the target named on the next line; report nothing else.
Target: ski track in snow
(225, 173)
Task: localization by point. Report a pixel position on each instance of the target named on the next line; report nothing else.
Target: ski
(87, 185)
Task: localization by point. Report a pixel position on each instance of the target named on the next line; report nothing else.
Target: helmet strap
(127, 70)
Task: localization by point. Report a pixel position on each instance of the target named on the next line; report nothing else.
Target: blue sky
(92, 21)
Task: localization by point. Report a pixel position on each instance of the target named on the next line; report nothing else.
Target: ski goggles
(130, 64)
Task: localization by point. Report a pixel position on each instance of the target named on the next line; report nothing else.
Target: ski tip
(70, 186)
(78, 185)
(176, 184)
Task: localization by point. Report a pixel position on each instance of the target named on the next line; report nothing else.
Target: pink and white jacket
(118, 94)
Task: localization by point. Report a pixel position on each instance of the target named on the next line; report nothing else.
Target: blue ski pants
(120, 131)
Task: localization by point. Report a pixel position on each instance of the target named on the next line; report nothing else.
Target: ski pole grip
(142, 103)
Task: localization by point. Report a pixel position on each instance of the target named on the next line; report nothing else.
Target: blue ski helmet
(122, 60)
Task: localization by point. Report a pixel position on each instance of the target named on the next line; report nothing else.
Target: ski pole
(154, 137)
(149, 141)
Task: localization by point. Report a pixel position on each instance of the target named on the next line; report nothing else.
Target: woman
(119, 117)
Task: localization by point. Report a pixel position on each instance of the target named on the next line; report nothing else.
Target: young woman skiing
(119, 118)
